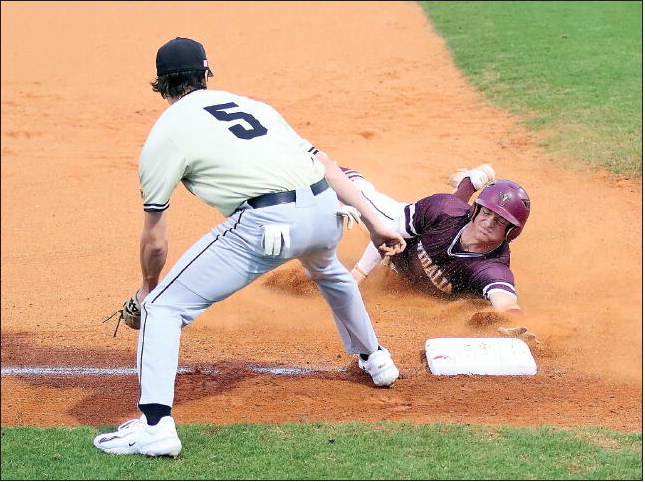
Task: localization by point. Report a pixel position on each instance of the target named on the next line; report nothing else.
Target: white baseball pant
(230, 257)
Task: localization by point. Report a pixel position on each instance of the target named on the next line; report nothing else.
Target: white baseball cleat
(480, 176)
(381, 367)
(137, 437)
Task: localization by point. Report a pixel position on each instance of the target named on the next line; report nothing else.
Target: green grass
(321, 451)
(571, 70)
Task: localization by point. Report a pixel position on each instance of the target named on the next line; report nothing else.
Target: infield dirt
(371, 84)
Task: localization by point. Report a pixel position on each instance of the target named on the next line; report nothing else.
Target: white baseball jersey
(215, 143)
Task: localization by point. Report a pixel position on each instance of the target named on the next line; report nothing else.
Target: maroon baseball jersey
(433, 259)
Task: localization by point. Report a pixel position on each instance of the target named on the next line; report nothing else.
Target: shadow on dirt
(114, 387)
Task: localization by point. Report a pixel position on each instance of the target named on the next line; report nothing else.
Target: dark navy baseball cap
(181, 54)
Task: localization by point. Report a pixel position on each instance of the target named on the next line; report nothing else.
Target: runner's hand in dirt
(505, 323)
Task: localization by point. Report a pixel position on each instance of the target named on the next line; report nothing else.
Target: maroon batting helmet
(509, 200)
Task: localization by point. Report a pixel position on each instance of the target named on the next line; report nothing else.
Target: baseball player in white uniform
(241, 157)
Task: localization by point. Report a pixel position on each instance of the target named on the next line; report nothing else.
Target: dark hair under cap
(180, 55)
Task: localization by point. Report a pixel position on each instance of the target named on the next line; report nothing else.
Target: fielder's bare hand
(388, 241)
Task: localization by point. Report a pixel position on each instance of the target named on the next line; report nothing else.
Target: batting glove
(274, 235)
(350, 214)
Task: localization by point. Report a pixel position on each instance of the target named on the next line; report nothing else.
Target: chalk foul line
(128, 371)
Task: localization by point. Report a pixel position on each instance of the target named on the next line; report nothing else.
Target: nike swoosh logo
(131, 444)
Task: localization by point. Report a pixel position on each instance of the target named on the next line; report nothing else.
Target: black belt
(284, 197)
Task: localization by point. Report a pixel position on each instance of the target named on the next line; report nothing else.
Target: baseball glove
(130, 314)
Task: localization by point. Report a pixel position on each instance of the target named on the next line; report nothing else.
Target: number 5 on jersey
(239, 130)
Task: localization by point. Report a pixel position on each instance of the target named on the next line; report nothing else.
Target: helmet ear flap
(475, 211)
(511, 229)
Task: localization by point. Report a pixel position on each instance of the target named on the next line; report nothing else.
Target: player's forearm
(358, 275)
(505, 302)
(511, 308)
(153, 250)
(369, 260)
(349, 194)
(153, 258)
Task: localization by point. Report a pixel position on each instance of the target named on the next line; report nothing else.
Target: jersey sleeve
(161, 168)
(494, 277)
(419, 216)
(369, 260)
